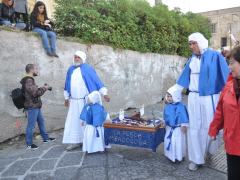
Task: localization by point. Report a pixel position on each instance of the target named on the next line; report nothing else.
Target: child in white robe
(94, 114)
(176, 120)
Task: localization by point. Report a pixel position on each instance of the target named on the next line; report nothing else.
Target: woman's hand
(47, 21)
(213, 138)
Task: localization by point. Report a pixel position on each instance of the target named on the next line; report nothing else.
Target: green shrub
(129, 24)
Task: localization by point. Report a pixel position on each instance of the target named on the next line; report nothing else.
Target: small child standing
(94, 115)
(176, 120)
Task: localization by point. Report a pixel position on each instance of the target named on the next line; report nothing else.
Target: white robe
(200, 109)
(92, 143)
(177, 149)
(74, 130)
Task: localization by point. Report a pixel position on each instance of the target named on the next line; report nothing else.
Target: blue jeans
(8, 23)
(49, 47)
(34, 115)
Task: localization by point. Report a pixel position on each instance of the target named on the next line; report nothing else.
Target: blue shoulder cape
(213, 73)
(175, 114)
(90, 77)
(93, 114)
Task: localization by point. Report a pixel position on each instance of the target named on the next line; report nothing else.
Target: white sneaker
(193, 167)
(72, 147)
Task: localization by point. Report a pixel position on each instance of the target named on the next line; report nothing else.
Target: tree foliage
(129, 24)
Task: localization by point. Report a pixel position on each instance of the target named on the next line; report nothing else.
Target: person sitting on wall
(44, 27)
(8, 15)
(21, 9)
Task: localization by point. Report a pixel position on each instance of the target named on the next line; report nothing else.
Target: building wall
(224, 20)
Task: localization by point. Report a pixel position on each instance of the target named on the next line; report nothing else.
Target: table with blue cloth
(135, 136)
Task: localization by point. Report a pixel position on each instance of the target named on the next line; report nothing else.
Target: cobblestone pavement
(52, 162)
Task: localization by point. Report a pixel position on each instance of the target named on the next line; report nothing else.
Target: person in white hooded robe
(81, 79)
(204, 75)
(94, 114)
(176, 119)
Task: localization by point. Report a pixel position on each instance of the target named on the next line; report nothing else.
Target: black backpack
(18, 98)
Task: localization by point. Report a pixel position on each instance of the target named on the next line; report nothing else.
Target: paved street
(52, 162)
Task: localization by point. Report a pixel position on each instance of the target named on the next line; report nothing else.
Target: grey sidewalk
(52, 162)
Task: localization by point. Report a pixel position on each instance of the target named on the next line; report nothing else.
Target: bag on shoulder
(18, 98)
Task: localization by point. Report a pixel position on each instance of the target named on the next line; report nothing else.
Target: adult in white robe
(76, 90)
(204, 75)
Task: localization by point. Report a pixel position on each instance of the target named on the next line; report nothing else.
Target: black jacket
(36, 24)
(7, 13)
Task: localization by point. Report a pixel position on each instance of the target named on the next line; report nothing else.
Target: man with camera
(33, 104)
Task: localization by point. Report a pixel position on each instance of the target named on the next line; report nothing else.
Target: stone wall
(132, 78)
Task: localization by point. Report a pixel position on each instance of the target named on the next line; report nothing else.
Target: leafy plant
(129, 24)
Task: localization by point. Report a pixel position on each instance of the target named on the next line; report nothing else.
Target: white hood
(82, 55)
(95, 97)
(176, 94)
(200, 39)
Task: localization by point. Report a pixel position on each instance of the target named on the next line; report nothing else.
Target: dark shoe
(49, 54)
(33, 147)
(55, 55)
(49, 140)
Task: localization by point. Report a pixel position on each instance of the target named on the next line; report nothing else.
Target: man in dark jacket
(33, 104)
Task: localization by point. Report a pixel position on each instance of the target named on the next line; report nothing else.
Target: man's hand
(106, 98)
(46, 86)
(66, 103)
(184, 129)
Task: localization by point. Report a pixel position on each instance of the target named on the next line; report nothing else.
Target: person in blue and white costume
(176, 119)
(81, 79)
(205, 75)
(94, 115)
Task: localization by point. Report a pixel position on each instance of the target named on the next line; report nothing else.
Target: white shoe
(193, 167)
(72, 147)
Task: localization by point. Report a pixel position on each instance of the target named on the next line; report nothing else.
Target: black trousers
(233, 164)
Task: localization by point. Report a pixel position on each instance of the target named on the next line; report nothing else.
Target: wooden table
(143, 137)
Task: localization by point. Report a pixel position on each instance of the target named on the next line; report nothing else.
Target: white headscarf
(82, 55)
(95, 97)
(175, 93)
(200, 39)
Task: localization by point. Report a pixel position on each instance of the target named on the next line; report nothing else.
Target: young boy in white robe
(176, 120)
(94, 115)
